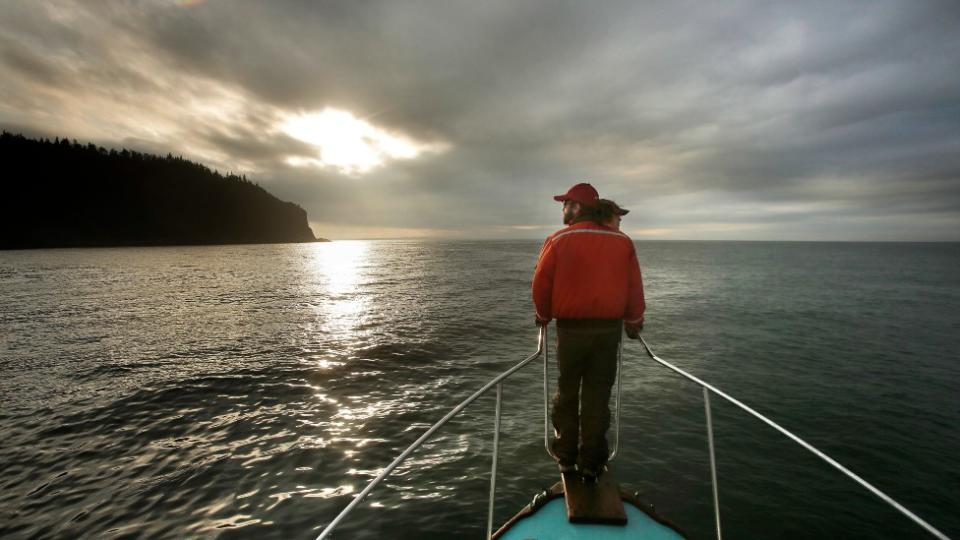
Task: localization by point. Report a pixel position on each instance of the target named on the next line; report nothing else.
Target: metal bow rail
(707, 388)
(542, 349)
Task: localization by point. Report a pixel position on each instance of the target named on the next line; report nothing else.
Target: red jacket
(588, 271)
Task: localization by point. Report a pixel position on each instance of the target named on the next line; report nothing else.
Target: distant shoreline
(127, 246)
(66, 194)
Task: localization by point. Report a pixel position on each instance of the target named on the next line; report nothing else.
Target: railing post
(713, 460)
(496, 453)
(616, 440)
(546, 394)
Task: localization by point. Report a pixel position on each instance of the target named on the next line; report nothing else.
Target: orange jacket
(587, 271)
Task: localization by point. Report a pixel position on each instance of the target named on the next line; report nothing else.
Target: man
(588, 279)
(609, 214)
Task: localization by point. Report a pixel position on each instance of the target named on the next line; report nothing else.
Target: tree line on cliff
(62, 193)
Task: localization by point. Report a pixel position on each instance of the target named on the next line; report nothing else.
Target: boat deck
(572, 509)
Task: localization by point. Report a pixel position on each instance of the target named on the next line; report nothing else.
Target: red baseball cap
(581, 193)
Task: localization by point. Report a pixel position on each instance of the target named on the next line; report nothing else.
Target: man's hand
(633, 330)
(542, 322)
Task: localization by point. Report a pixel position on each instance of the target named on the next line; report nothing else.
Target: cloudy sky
(709, 120)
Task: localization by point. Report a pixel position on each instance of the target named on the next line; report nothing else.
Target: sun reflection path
(340, 267)
(338, 263)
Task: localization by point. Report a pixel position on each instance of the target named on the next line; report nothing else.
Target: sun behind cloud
(348, 143)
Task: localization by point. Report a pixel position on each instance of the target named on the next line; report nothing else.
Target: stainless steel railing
(707, 389)
(542, 349)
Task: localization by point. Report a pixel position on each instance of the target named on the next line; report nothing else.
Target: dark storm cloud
(717, 120)
(253, 145)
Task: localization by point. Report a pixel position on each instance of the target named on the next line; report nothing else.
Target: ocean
(251, 391)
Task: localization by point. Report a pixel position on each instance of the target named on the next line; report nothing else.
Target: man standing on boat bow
(588, 279)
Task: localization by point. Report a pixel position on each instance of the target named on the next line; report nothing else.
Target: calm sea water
(250, 391)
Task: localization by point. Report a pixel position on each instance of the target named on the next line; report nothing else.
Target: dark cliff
(65, 194)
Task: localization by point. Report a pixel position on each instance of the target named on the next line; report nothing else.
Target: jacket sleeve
(636, 305)
(543, 281)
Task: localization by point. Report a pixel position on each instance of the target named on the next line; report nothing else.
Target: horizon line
(540, 239)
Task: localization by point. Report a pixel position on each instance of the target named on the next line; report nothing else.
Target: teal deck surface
(550, 523)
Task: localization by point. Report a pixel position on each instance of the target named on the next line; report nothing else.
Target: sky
(460, 119)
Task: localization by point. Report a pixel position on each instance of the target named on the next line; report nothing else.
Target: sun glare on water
(339, 267)
(348, 143)
(339, 264)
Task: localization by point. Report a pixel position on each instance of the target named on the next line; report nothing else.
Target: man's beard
(568, 215)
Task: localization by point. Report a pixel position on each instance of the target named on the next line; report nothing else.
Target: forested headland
(61, 193)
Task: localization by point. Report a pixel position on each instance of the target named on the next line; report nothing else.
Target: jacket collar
(585, 224)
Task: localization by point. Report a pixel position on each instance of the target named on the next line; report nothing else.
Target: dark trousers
(587, 360)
